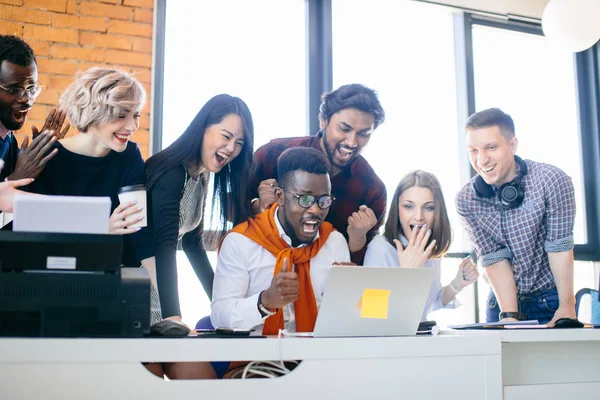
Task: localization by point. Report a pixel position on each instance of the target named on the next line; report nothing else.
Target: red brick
(139, 3)
(51, 34)
(143, 75)
(78, 53)
(142, 15)
(22, 14)
(128, 58)
(48, 97)
(109, 1)
(105, 41)
(82, 67)
(65, 21)
(105, 10)
(92, 24)
(11, 28)
(141, 136)
(145, 152)
(50, 5)
(72, 7)
(43, 79)
(40, 48)
(142, 44)
(81, 23)
(13, 2)
(130, 28)
(145, 121)
(146, 108)
(147, 88)
(60, 82)
(38, 113)
(59, 67)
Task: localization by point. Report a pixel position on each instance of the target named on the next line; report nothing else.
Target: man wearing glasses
(271, 270)
(18, 90)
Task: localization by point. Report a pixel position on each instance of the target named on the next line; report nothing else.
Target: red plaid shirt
(352, 187)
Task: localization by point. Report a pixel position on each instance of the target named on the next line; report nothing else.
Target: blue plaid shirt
(524, 235)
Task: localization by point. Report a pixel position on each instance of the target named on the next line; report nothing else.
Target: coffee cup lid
(132, 188)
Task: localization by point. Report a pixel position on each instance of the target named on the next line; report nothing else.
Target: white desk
(550, 364)
(477, 365)
(375, 368)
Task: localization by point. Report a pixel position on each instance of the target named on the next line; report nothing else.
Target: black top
(164, 200)
(72, 174)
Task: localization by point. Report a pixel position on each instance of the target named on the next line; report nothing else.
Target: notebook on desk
(373, 301)
(530, 324)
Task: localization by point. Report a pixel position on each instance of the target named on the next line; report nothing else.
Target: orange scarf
(262, 229)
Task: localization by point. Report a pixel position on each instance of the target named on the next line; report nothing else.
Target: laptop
(61, 214)
(373, 301)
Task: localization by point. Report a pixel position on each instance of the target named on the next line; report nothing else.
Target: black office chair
(594, 318)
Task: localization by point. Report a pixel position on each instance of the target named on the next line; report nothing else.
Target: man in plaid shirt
(519, 216)
(348, 117)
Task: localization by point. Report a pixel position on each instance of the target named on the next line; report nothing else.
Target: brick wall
(68, 36)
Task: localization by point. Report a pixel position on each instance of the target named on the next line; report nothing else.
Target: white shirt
(380, 253)
(245, 269)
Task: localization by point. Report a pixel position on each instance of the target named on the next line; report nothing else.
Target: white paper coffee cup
(137, 193)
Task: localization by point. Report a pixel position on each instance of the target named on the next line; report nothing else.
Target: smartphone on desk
(233, 331)
(225, 333)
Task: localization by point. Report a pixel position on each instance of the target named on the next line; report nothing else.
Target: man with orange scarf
(272, 269)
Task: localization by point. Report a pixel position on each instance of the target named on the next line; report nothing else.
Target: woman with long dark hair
(218, 142)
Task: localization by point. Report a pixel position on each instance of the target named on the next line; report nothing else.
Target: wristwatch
(264, 311)
(512, 314)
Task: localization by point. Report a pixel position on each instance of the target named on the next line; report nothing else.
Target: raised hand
(266, 196)
(33, 157)
(415, 254)
(119, 220)
(54, 122)
(284, 288)
(361, 221)
(467, 274)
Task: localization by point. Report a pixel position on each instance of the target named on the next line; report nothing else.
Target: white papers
(6, 218)
(61, 214)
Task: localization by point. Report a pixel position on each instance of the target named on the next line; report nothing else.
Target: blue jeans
(537, 305)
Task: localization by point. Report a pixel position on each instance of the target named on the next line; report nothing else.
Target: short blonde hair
(100, 95)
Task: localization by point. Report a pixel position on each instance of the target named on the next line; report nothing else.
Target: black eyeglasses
(307, 200)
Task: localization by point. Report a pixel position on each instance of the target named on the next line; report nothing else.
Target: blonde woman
(104, 104)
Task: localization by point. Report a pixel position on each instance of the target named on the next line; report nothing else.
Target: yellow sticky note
(375, 303)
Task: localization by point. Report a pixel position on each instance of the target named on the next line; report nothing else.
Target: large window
(534, 82)
(235, 47)
(430, 71)
(405, 51)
